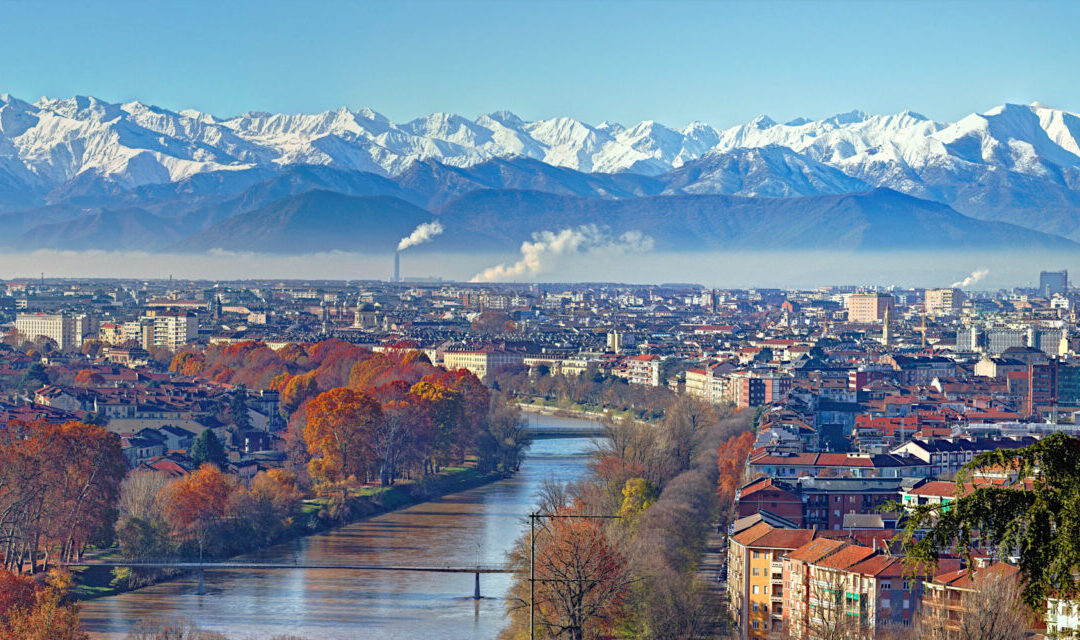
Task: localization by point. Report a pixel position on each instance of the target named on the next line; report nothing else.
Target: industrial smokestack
(397, 267)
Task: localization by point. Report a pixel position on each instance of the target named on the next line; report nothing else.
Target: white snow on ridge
(50, 142)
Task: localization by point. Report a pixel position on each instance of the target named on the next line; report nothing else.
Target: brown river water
(473, 527)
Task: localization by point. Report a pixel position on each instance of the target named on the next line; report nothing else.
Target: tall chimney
(397, 267)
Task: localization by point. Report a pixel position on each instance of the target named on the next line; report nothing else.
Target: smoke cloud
(537, 256)
(970, 280)
(420, 235)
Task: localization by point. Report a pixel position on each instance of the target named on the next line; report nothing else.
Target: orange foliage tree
(58, 489)
(339, 431)
(38, 612)
(195, 505)
(731, 458)
(88, 378)
(582, 579)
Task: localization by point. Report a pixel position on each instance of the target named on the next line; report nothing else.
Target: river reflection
(475, 526)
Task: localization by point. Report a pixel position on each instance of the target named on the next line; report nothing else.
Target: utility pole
(532, 576)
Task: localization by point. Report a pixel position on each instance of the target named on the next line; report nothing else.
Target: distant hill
(106, 230)
(500, 220)
(311, 222)
(875, 220)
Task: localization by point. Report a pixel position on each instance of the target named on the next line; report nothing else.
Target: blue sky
(720, 62)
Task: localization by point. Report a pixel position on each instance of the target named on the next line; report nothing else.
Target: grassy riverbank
(366, 502)
(576, 411)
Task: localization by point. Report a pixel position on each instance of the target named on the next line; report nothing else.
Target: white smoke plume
(970, 280)
(420, 235)
(536, 256)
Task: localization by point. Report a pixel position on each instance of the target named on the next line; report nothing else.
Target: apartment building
(948, 598)
(644, 369)
(868, 307)
(836, 589)
(709, 383)
(943, 302)
(755, 577)
(65, 329)
(754, 389)
(171, 329)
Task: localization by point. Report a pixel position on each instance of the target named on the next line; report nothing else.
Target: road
(717, 594)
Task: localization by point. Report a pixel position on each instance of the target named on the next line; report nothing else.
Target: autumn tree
(195, 505)
(60, 506)
(502, 447)
(89, 378)
(339, 430)
(638, 495)
(264, 511)
(582, 580)
(731, 461)
(442, 406)
(44, 616)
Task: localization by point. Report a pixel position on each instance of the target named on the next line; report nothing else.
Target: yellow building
(755, 577)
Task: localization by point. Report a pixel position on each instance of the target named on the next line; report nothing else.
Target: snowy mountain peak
(762, 122)
(849, 117)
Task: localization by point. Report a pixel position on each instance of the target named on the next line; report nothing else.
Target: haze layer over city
(477, 320)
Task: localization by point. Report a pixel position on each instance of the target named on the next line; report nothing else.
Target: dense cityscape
(864, 404)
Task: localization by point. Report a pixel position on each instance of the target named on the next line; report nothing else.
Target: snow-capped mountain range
(1013, 163)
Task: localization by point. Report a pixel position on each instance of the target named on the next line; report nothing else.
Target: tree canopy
(1035, 516)
(207, 448)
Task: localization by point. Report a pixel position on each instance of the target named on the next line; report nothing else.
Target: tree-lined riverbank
(475, 525)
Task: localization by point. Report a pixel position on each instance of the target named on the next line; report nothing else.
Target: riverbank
(368, 502)
(476, 526)
(538, 406)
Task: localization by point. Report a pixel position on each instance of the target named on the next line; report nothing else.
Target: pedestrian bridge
(186, 564)
(574, 429)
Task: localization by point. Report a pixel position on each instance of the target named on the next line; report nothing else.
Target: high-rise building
(169, 329)
(943, 302)
(1051, 282)
(868, 307)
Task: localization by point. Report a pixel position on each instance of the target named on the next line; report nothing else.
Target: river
(467, 528)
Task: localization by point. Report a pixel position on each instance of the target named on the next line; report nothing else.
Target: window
(754, 624)
(756, 554)
(756, 589)
(907, 603)
(754, 607)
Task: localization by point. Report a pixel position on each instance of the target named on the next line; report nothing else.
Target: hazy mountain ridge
(499, 220)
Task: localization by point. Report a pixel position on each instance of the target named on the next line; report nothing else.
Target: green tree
(1036, 517)
(207, 448)
(239, 410)
(35, 377)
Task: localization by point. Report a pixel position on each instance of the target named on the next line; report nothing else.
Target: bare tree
(993, 610)
(833, 614)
